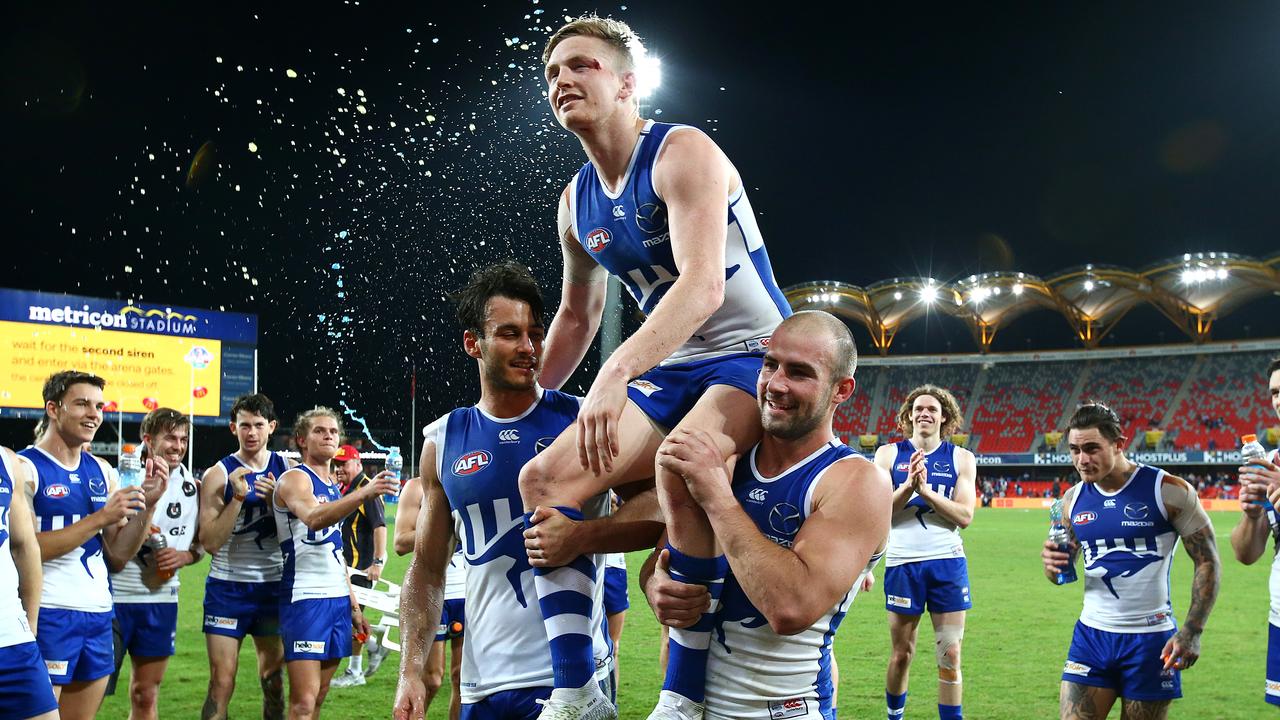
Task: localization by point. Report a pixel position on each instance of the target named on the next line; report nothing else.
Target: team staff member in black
(364, 542)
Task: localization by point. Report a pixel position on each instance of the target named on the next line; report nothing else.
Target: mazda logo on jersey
(598, 239)
(784, 518)
(1084, 518)
(542, 444)
(472, 462)
(1136, 511)
(57, 491)
(651, 218)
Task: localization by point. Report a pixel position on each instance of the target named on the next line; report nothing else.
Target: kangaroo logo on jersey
(1136, 511)
(784, 518)
(1122, 564)
(472, 462)
(56, 491)
(942, 467)
(598, 240)
(1084, 518)
(651, 218)
(97, 486)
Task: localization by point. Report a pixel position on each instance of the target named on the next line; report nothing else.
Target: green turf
(1014, 647)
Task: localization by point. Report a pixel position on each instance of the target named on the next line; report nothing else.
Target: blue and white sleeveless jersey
(455, 578)
(752, 668)
(14, 629)
(176, 516)
(627, 233)
(918, 532)
(65, 496)
(478, 461)
(252, 552)
(1127, 544)
(313, 564)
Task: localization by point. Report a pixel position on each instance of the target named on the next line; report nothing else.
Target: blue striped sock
(897, 705)
(564, 596)
(950, 712)
(688, 649)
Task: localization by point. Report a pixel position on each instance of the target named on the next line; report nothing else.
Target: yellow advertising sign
(139, 369)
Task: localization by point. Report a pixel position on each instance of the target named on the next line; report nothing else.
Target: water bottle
(130, 466)
(1251, 452)
(157, 542)
(1058, 535)
(395, 463)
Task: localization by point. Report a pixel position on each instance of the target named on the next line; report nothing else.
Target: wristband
(379, 561)
(240, 497)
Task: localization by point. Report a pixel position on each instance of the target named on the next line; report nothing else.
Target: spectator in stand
(1057, 487)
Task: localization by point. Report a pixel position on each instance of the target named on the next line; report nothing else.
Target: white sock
(355, 664)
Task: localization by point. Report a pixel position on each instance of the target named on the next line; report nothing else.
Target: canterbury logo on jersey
(510, 435)
(472, 462)
(758, 495)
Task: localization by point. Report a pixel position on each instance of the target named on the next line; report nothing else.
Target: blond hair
(950, 409)
(303, 424)
(617, 34)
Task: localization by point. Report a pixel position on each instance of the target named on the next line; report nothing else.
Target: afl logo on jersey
(598, 240)
(57, 491)
(902, 467)
(651, 218)
(472, 462)
(1084, 518)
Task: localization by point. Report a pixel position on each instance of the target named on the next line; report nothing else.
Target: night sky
(394, 151)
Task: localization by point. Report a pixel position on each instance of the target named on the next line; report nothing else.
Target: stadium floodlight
(1088, 286)
(929, 293)
(1222, 273)
(1017, 288)
(648, 75)
(897, 294)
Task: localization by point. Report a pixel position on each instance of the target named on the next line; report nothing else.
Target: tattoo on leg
(210, 710)
(1144, 709)
(273, 696)
(1079, 702)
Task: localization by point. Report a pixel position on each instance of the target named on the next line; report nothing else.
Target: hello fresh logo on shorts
(308, 646)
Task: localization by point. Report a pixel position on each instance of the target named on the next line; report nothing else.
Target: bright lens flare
(648, 76)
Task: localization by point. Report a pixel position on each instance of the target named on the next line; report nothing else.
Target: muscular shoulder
(856, 475)
(688, 155)
(886, 454)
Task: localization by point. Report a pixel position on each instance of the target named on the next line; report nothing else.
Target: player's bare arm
(422, 595)
(554, 539)
(407, 515)
(1257, 483)
(957, 509)
(294, 492)
(582, 296)
(217, 517)
(22, 538)
(849, 520)
(885, 457)
(1193, 526)
(121, 543)
(694, 178)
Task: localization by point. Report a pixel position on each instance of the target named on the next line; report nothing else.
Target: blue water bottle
(1059, 536)
(130, 467)
(395, 464)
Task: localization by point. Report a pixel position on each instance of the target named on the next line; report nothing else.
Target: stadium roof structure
(1191, 290)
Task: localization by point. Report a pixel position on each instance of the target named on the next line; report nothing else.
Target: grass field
(1014, 648)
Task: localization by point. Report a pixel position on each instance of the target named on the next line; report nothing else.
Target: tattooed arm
(1192, 524)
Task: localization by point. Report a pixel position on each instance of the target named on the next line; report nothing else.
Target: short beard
(496, 376)
(799, 427)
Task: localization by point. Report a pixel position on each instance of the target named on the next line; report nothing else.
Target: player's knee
(902, 655)
(143, 697)
(949, 638)
(221, 685)
(533, 480)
